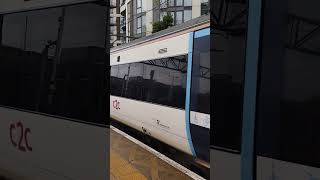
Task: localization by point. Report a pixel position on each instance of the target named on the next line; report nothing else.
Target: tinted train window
(118, 80)
(24, 49)
(52, 61)
(200, 85)
(289, 98)
(161, 81)
(228, 58)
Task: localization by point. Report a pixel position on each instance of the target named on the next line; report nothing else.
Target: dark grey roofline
(178, 28)
(45, 6)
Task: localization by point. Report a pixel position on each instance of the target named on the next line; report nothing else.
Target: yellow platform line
(122, 170)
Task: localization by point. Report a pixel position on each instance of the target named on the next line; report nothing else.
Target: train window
(50, 58)
(136, 83)
(80, 61)
(12, 30)
(168, 81)
(115, 81)
(200, 88)
(161, 81)
(289, 91)
(228, 59)
(118, 80)
(23, 50)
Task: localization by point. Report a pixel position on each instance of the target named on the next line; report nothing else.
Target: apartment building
(115, 17)
(138, 16)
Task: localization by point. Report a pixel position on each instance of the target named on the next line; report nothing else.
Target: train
(265, 90)
(52, 80)
(160, 85)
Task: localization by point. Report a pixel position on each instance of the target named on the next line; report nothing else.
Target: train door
(287, 128)
(229, 37)
(200, 94)
(52, 74)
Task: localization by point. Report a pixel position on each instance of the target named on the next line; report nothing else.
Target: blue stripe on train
(188, 89)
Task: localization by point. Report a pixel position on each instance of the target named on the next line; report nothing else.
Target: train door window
(228, 59)
(200, 85)
(289, 90)
(200, 94)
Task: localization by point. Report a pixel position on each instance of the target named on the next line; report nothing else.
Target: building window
(173, 15)
(171, 3)
(140, 19)
(179, 17)
(187, 15)
(179, 2)
(204, 7)
(174, 3)
(139, 6)
(180, 10)
(163, 4)
(187, 2)
(162, 14)
(139, 25)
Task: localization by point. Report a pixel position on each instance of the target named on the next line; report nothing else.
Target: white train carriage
(52, 67)
(160, 85)
(266, 94)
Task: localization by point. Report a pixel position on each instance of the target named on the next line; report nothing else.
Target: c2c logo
(15, 128)
(116, 104)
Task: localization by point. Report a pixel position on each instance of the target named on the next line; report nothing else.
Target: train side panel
(174, 46)
(268, 168)
(163, 123)
(38, 147)
(226, 165)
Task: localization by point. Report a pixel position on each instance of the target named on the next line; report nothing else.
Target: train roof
(194, 23)
(14, 6)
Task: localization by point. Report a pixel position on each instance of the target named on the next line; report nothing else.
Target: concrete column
(149, 16)
(196, 8)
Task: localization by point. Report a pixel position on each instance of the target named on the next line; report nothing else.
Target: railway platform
(131, 159)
